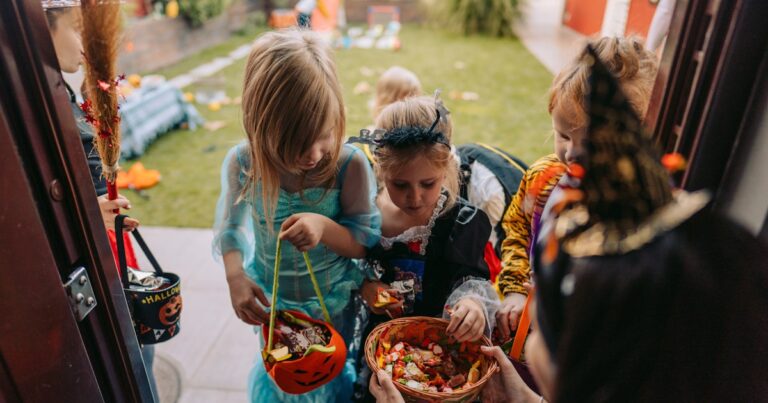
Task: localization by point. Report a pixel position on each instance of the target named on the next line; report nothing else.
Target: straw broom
(102, 27)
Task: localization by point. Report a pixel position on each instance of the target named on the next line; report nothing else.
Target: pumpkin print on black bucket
(155, 310)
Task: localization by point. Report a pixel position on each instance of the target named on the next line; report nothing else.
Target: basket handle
(273, 311)
(121, 257)
(522, 329)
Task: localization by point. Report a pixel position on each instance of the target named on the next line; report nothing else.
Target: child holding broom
(294, 181)
(65, 23)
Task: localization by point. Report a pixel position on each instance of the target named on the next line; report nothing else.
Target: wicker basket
(394, 331)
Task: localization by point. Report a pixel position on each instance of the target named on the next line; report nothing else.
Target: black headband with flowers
(408, 136)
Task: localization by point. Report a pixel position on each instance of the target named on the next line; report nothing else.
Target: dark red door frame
(43, 134)
(706, 82)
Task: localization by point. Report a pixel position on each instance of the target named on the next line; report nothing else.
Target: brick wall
(150, 44)
(410, 10)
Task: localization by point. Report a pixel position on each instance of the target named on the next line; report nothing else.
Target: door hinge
(80, 293)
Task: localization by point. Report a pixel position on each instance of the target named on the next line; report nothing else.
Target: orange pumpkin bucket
(392, 343)
(322, 352)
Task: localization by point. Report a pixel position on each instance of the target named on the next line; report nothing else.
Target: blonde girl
(431, 252)
(292, 180)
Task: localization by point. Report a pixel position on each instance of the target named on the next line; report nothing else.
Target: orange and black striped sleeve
(531, 196)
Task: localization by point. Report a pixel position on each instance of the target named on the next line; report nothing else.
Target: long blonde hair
(418, 112)
(626, 58)
(395, 84)
(291, 94)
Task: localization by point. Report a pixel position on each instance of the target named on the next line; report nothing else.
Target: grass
(510, 113)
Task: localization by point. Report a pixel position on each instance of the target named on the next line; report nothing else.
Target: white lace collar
(419, 233)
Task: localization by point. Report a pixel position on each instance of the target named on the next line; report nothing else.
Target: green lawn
(510, 113)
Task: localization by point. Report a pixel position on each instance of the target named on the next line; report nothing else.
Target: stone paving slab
(543, 34)
(214, 351)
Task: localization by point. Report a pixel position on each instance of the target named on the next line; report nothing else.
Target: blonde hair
(395, 84)
(291, 94)
(418, 112)
(626, 58)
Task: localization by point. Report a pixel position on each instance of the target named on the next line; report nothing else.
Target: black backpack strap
(507, 169)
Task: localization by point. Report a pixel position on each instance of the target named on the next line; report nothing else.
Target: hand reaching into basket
(467, 321)
(509, 314)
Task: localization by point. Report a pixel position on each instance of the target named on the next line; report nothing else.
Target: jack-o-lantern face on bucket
(169, 313)
(314, 369)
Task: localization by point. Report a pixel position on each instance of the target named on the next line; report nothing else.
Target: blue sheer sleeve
(233, 229)
(359, 213)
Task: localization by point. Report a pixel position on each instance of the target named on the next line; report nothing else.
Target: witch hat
(624, 201)
(626, 195)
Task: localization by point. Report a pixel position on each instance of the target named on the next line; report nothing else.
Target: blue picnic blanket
(150, 112)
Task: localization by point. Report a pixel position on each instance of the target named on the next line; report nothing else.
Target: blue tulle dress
(240, 225)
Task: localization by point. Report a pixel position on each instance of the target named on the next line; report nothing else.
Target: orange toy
(318, 366)
(138, 178)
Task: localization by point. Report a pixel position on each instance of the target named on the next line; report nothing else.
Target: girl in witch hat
(65, 24)
(643, 293)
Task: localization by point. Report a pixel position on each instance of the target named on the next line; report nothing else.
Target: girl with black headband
(430, 257)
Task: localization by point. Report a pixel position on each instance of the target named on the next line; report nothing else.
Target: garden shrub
(196, 12)
(489, 17)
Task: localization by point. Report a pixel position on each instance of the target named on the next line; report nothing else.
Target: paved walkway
(545, 37)
(214, 351)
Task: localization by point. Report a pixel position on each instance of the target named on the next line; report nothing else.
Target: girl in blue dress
(292, 180)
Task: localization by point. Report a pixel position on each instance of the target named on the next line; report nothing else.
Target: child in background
(635, 69)
(395, 84)
(293, 180)
(430, 257)
(304, 10)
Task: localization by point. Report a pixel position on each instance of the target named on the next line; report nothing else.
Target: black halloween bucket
(155, 313)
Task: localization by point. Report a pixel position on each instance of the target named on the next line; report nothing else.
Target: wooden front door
(49, 227)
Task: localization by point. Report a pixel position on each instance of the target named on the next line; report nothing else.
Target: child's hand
(509, 314)
(304, 230)
(467, 321)
(108, 216)
(383, 389)
(370, 293)
(243, 292)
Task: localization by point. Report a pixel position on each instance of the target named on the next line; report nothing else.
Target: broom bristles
(102, 26)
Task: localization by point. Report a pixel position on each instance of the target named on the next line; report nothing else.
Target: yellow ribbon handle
(317, 288)
(273, 311)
